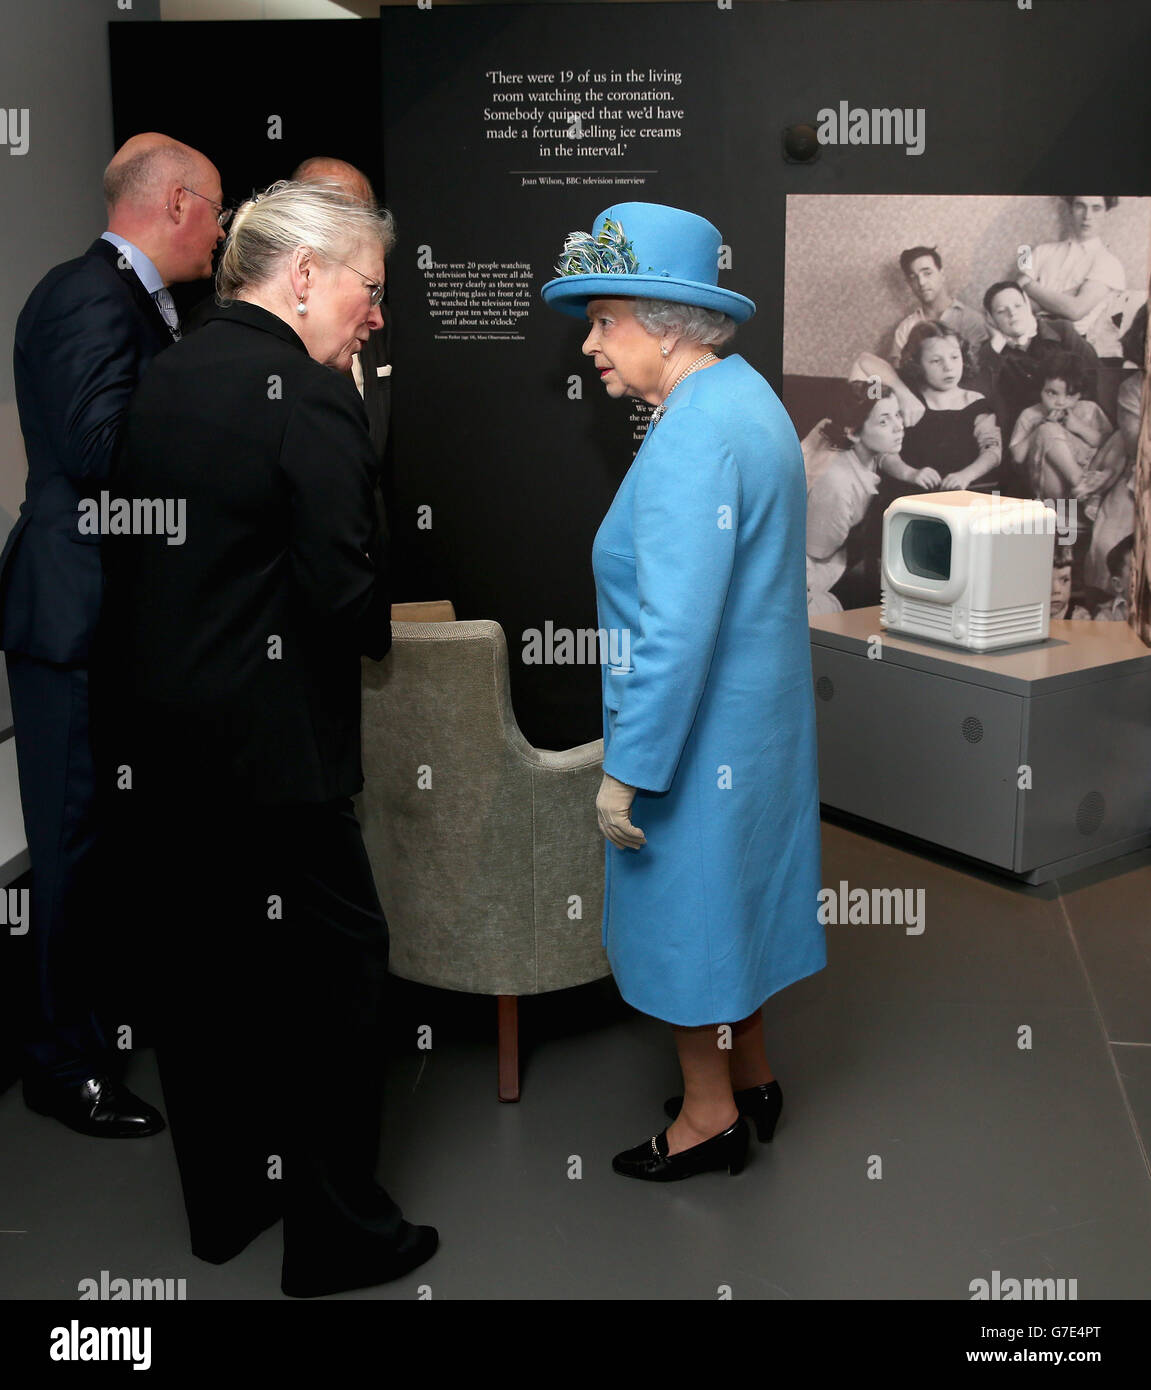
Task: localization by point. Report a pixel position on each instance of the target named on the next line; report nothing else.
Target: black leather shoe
(759, 1103)
(363, 1271)
(652, 1162)
(98, 1106)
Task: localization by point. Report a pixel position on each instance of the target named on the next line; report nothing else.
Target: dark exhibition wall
(494, 131)
(234, 89)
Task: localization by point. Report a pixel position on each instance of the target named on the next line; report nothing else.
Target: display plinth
(1035, 760)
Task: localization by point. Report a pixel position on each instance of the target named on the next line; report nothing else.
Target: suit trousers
(272, 971)
(63, 1038)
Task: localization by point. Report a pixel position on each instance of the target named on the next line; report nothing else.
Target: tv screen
(927, 548)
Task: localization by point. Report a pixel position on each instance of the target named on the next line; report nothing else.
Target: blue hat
(646, 251)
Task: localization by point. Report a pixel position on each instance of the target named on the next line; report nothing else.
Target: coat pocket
(614, 685)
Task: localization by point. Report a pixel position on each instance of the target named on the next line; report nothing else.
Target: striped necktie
(167, 308)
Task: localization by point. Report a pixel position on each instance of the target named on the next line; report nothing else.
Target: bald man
(371, 368)
(83, 339)
(324, 169)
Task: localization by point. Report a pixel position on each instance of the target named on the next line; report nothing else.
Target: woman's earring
(301, 307)
(663, 352)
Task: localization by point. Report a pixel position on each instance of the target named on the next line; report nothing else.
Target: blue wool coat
(701, 586)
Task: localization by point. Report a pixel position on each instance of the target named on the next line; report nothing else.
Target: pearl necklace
(657, 413)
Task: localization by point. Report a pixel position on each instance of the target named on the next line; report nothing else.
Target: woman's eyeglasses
(376, 290)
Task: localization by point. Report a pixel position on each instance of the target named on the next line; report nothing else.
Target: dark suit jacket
(377, 353)
(378, 389)
(83, 339)
(236, 654)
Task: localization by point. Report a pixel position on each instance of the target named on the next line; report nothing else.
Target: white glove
(613, 805)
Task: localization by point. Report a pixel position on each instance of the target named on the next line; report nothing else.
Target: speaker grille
(928, 615)
(1089, 816)
(1023, 621)
(973, 729)
(824, 688)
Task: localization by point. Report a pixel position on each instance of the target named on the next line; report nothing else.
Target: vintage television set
(968, 569)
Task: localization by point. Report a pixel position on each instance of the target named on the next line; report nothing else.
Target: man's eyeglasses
(376, 290)
(223, 214)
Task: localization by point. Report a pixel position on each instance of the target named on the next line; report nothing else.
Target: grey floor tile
(1133, 1063)
(1109, 908)
(906, 1048)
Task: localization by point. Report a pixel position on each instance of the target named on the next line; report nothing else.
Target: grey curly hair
(708, 327)
(270, 226)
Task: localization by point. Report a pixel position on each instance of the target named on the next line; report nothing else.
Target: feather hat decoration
(678, 251)
(609, 253)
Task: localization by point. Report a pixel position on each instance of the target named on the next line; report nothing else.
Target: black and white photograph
(983, 344)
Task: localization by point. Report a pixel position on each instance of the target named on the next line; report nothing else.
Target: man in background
(922, 268)
(83, 339)
(371, 369)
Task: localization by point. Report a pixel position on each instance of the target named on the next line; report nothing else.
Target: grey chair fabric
(482, 846)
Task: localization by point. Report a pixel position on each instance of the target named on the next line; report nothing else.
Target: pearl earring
(663, 352)
(301, 307)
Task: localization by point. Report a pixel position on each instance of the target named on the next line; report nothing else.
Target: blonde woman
(237, 655)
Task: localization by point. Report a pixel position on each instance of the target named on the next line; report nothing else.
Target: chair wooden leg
(509, 1047)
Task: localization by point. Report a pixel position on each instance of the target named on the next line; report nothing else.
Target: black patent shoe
(98, 1106)
(761, 1104)
(652, 1162)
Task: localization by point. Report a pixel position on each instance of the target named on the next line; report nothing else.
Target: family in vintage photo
(1032, 391)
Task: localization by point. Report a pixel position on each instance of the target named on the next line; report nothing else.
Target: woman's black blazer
(233, 652)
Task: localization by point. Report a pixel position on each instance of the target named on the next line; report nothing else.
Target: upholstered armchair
(485, 850)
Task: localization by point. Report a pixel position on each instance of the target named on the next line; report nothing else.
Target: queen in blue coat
(710, 799)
